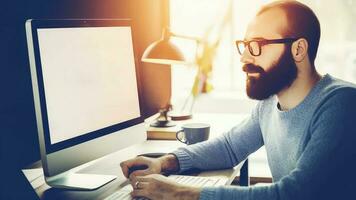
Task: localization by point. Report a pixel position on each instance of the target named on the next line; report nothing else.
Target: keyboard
(195, 180)
(124, 193)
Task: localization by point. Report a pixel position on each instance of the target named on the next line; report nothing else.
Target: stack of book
(166, 133)
(169, 133)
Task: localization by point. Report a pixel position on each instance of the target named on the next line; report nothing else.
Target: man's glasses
(254, 46)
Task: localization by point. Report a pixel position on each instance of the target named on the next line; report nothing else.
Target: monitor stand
(79, 181)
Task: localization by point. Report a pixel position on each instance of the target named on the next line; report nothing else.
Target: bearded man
(305, 120)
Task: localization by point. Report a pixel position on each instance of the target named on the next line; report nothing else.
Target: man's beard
(281, 75)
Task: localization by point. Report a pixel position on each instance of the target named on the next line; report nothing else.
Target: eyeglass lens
(253, 47)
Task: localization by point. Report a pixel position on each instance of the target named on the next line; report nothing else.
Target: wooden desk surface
(110, 163)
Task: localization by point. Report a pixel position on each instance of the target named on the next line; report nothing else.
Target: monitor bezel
(77, 23)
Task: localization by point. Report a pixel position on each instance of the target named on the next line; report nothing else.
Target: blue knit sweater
(311, 149)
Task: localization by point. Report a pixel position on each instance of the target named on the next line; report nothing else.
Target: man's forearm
(169, 164)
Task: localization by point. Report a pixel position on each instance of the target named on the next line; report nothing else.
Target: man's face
(275, 68)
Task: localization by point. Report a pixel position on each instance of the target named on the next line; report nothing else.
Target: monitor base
(79, 181)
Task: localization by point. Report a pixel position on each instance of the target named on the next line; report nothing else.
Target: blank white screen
(89, 79)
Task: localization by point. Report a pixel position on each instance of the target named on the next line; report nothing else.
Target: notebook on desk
(193, 181)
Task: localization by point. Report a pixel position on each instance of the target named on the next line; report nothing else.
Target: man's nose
(246, 57)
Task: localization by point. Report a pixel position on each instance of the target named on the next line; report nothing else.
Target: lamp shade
(163, 51)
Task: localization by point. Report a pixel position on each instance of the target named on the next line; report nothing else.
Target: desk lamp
(163, 51)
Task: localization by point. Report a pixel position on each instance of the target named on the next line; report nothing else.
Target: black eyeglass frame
(261, 43)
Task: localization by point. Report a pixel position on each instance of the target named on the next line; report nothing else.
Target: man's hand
(152, 165)
(167, 164)
(156, 187)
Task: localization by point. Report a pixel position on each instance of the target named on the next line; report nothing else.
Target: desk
(110, 164)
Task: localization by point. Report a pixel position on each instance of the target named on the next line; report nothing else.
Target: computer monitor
(86, 95)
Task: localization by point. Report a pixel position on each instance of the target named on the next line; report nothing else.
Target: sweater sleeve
(225, 151)
(326, 167)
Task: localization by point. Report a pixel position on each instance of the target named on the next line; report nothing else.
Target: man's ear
(300, 49)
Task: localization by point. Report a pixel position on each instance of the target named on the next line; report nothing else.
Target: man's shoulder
(335, 85)
(335, 110)
(337, 90)
(337, 97)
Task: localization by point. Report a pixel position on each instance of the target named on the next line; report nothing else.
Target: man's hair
(302, 23)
